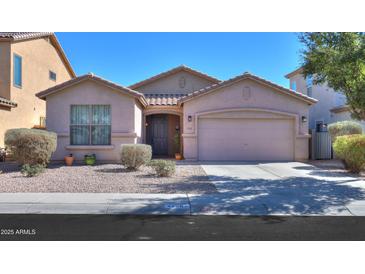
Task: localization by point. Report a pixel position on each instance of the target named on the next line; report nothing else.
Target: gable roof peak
(243, 76)
(174, 70)
(43, 94)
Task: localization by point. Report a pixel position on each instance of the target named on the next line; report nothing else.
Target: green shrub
(32, 170)
(31, 146)
(134, 156)
(351, 149)
(163, 168)
(344, 128)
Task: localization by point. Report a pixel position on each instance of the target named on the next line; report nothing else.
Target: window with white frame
(90, 125)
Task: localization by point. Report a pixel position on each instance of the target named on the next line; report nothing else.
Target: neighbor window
(52, 75)
(309, 84)
(17, 69)
(90, 125)
(293, 85)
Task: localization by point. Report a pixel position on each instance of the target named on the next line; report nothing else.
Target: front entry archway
(163, 134)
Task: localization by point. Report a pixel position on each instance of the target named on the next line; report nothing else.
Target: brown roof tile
(163, 99)
(7, 103)
(16, 36)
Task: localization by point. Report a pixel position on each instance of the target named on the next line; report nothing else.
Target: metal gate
(321, 146)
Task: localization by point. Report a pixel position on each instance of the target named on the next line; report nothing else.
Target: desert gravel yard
(104, 178)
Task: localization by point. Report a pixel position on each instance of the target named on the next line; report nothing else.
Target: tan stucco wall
(173, 121)
(326, 96)
(138, 117)
(123, 111)
(170, 84)
(231, 97)
(5, 70)
(38, 57)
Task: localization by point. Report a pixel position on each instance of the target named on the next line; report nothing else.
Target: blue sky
(126, 58)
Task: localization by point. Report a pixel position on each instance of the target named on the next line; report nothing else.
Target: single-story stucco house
(244, 118)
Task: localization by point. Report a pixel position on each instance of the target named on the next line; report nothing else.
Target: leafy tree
(338, 59)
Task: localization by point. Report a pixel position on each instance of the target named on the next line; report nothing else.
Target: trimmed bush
(344, 128)
(32, 170)
(163, 168)
(31, 146)
(134, 156)
(351, 149)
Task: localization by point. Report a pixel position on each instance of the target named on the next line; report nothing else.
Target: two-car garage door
(237, 139)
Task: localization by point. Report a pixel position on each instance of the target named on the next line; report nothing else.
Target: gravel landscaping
(113, 178)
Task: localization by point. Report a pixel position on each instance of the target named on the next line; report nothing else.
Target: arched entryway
(163, 133)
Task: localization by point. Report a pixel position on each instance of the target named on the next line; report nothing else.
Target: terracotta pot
(69, 160)
(178, 156)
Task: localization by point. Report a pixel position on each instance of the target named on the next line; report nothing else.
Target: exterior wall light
(190, 118)
(304, 119)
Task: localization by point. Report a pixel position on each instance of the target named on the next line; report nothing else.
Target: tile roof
(163, 99)
(16, 36)
(253, 77)
(172, 71)
(7, 103)
(340, 109)
(90, 76)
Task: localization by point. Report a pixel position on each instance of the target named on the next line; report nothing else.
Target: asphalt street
(180, 228)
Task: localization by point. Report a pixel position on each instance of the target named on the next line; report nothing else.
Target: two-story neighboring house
(29, 62)
(331, 106)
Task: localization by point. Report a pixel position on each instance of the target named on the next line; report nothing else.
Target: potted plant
(69, 160)
(90, 159)
(178, 155)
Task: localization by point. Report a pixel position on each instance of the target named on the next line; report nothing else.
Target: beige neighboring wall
(326, 96)
(39, 56)
(172, 84)
(126, 117)
(4, 71)
(262, 102)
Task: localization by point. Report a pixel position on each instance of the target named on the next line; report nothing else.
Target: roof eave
(43, 94)
(294, 72)
(170, 72)
(288, 92)
(340, 109)
(62, 52)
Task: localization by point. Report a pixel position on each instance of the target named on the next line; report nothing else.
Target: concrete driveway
(289, 188)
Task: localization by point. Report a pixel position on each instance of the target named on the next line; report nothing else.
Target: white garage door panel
(246, 139)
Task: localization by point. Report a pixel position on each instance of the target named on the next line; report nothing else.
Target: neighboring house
(244, 118)
(29, 62)
(331, 106)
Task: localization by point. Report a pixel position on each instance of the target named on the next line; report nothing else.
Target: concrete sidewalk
(153, 204)
(94, 203)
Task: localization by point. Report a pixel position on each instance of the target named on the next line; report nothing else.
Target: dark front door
(157, 131)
